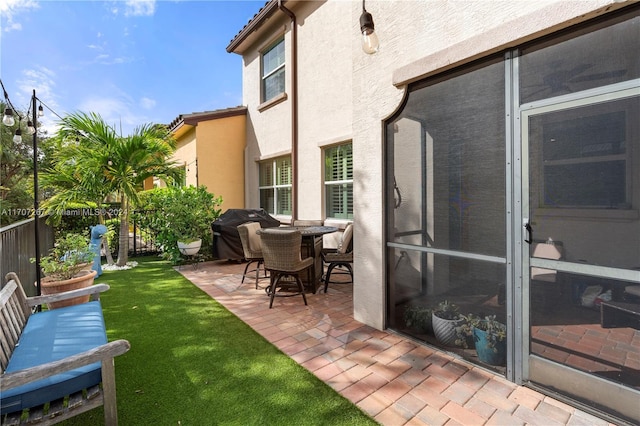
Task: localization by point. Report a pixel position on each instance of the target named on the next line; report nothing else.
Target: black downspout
(294, 110)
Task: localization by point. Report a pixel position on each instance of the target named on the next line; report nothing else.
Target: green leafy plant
(418, 318)
(464, 331)
(178, 214)
(70, 255)
(496, 331)
(447, 310)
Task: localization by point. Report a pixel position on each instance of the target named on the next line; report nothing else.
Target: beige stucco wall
(186, 155)
(212, 152)
(346, 94)
(324, 100)
(220, 150)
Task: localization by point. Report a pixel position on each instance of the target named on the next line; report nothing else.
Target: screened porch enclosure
(448, 188)
(511, 190)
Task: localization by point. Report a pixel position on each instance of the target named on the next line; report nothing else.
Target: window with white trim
(273, 71)
(275, 185)
(338, 181)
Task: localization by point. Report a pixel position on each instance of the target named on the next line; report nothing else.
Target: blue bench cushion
(51, 336)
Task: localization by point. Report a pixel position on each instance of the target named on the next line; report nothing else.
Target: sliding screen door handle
(529, 229)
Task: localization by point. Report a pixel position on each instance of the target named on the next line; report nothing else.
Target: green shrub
(178, 214)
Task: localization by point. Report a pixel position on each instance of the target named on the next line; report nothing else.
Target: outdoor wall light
(370, 42)
(8, 119)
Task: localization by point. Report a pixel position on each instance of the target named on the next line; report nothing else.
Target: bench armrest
(93, 290)
(102, 353)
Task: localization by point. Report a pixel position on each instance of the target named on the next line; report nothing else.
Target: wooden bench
(57, 363)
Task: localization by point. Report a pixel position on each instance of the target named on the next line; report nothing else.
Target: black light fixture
(30, 128)
(370, 42)
(40, 111)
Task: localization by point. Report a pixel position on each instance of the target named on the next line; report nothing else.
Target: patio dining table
(312, 247)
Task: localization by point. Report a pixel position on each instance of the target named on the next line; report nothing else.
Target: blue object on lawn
(97, 232)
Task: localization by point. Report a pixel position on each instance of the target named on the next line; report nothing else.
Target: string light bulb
(30, 128)
(40, 111)
(8, 119)
(370, 42)
(17, 137)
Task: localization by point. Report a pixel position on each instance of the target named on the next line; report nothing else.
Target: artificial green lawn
(192, 362)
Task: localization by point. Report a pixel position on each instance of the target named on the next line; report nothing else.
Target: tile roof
(254, 23)
(195, 117)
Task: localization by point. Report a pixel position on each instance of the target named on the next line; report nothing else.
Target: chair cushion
(50, 336)
(254, 239)
(346, 239)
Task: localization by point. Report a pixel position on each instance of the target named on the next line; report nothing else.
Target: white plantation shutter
(266, 174)
(339, 182)
(284, 172)
(275, 185)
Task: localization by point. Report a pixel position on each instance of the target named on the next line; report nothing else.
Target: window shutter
(266, 174)
(339, 181)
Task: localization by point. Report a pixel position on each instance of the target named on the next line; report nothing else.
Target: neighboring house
(211, 149)
(476, 130)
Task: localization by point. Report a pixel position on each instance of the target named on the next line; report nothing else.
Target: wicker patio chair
(342, 257)
(252, 248)
(282, 257)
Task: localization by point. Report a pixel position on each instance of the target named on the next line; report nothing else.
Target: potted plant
(68, 267)
(418, 318)
(445, 320)
(181, 217)
(190, 226)
(464, 331)
(490, 338)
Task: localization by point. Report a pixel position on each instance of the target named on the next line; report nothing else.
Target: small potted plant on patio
(464, 331)
(418, 318)
(68, 267)
(445, 319)
(490, 337)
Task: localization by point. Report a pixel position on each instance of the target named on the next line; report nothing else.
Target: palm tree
(92, 162)
(142, 155)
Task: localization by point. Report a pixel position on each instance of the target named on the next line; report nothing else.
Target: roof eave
(256, 22)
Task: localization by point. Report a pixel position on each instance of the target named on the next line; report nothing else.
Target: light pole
(36, 204)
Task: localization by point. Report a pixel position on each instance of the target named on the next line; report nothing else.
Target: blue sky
(132, 62)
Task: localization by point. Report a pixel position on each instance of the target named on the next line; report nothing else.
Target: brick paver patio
(394, 379)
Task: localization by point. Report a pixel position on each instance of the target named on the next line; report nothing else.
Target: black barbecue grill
(226, 240)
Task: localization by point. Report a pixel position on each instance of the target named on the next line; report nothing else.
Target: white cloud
(9, 9)
(147, 103)
(119, 111)
(42, 80)
(139, 7)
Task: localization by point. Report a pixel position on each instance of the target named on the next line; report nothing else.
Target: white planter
(445, 330)
(189, 249)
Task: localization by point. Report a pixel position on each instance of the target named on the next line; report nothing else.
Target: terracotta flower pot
(51, 286)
